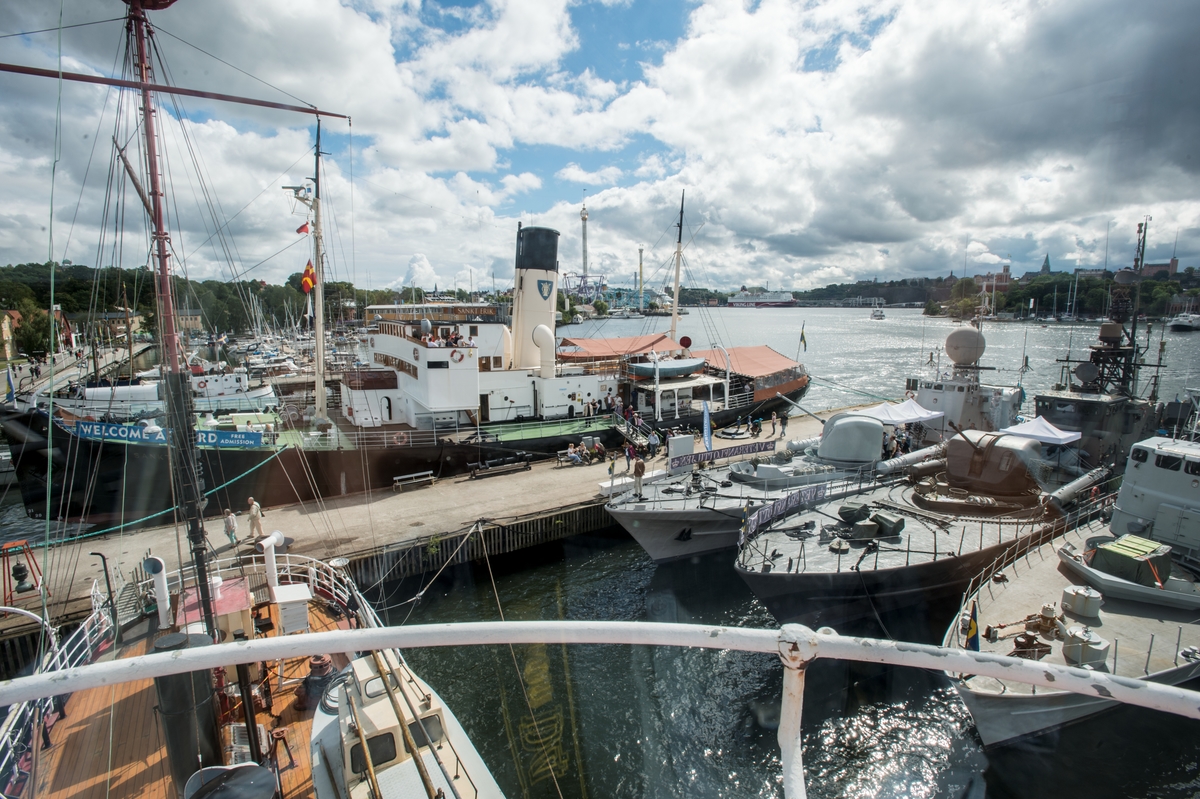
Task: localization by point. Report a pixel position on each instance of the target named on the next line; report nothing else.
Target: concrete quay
(385, 534)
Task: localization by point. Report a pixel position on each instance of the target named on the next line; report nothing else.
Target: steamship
(442, 396)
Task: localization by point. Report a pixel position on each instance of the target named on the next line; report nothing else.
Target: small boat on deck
(666, 367)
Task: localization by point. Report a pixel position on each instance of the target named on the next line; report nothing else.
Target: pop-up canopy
(1038, 428)
(905, 412)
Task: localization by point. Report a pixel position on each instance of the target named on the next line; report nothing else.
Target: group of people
(255, 513)
(454, 339)
(581, 454)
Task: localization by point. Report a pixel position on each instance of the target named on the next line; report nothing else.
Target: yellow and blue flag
(973, 628)
(10, 388)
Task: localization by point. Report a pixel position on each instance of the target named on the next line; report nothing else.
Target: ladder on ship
(638, 435)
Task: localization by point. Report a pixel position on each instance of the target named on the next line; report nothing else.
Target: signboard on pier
(137, 434)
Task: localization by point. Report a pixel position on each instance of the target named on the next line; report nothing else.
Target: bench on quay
(519, 462)
(409, 480)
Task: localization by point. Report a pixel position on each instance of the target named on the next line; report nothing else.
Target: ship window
(433, 726)
(497, 362)
(1171, 462)
(382, 748)
(474, 330)
(937, 386)
(929, 385)
(961, 389)
(1192, 467)
(438, 365)
(1139, 455)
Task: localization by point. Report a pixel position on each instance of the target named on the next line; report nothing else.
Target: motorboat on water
(1184, 322)
(1119, 598)
(877, 314)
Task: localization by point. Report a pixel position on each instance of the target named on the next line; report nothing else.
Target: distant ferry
(763, 299)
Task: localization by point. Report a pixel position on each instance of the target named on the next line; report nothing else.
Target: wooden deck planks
(111, 742)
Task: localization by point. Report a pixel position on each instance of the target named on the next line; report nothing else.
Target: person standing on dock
(774, 420)
(255, 517)
(783, 426)
(653, 442)
(231, 527)
(639, 471)
(628, 455)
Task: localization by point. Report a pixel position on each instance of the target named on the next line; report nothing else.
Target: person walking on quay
(255, 517)
(774, 420)
(783, 426)
(231, 527)
(639, 471)
(628, 455)
(654, 441)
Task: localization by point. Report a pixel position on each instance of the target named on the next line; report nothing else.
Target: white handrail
(796, 645)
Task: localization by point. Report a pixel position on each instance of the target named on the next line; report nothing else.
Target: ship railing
(796, 646)
(754, 553)
(26, 717)
(1050, 531)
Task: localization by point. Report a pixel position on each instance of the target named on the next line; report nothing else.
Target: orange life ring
(400, 439)
(909, 394)
(202, 384)
(456, 356)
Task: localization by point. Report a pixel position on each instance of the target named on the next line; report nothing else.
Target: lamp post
(112, 605)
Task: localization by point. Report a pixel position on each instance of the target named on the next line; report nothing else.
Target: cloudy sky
(818, 141)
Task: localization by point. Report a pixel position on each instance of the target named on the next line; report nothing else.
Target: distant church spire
(1046, 265)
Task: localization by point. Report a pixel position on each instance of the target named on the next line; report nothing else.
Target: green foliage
(32, 336)
(601, 307)
(964, 288)
(653, 306)
(932, 308)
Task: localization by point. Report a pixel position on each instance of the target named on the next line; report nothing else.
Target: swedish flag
(973, 628)
(612, 466)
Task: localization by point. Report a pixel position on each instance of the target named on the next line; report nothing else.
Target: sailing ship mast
(186, 473)
(186, 476)
(678, 266)
(314, 204)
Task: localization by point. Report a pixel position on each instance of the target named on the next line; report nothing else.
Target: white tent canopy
(905, 412)
(1043, 431)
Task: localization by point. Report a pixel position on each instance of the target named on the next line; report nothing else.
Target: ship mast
(186, 473)
(678, 266)
(314, 204)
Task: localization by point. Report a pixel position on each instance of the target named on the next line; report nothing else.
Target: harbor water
(621, 721)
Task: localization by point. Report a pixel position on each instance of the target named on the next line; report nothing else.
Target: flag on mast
(309, 278)
(10, 391)
(303, 228)
(308, 312)
(803, 340)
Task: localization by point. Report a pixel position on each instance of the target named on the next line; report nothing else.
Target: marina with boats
(455, 550)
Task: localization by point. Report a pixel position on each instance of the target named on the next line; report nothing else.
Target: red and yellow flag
(309, 278)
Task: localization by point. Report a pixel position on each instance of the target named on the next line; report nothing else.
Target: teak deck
(110, 743)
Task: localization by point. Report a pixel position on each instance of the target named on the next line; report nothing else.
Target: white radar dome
(965, 346)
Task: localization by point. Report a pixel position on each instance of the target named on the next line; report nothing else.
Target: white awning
(905, 412)
(1043, 431)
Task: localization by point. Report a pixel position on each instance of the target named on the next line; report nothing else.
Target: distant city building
(1170, 267)
(1046, 265)
(994, 281)
(189, 319)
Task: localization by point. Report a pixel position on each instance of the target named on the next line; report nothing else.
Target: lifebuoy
(416, 354)
(456, 356)
(400, 439)
(909, 394)
(202, 384)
